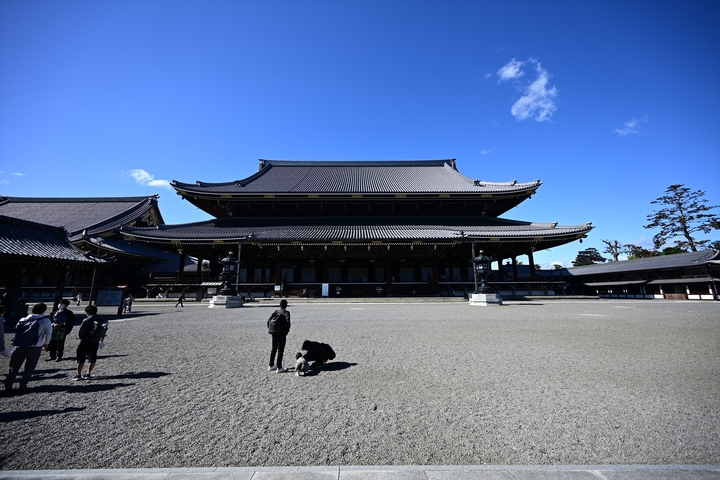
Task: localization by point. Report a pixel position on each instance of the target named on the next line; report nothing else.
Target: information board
(109, 297)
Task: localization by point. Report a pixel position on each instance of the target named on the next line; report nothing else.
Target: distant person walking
(32, 336)
(278, 326)
(92, 331)
(79, 299)
(180, 300)
(62, 322)
(128, 303)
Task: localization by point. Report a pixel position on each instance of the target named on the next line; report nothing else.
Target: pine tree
(685, 215)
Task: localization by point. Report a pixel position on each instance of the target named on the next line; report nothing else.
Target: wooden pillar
(436, 275)
(532, 264)
(325, 275)
(181, 266)
(198, 271)
(59, 286)
(278, 270)
(388, 275)
(515, 271)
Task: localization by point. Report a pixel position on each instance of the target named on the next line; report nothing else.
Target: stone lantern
(227, 297)
(483, 295)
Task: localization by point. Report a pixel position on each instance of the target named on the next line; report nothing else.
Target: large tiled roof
(679, 260)
(75, 215)
(359, 177)
(29, 241)
(358, 229)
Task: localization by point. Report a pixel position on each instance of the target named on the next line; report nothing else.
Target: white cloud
(513, 69)
(144, 178)
(631, 127)
(4, 182)
(538, 98)
(486, 151)
(18, 174)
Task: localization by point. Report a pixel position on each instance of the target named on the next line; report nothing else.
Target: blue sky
(607, 102)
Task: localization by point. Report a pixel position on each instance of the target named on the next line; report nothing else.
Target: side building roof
(30, 242)
(93, 216)
(355, 177)
(662, 262)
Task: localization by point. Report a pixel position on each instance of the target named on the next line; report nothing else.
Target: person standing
(29, 354)
(278, 326)
(2, 328)
(92, 331)
(62, 322)
(128, 303)
(79, 298)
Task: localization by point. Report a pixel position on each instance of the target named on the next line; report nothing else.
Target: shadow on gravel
(329, 367)
(82, 386)
(131, 315)
(6, 417)
(135, 375)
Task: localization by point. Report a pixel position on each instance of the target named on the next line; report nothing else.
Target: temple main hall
(357, 228)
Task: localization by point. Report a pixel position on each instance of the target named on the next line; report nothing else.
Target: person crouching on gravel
(92, 331)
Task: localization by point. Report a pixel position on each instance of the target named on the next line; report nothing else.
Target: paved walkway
(483, 472)
(499, 472)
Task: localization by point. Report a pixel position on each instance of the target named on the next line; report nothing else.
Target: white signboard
(325, 289)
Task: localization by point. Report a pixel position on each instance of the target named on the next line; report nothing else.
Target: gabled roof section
(678, 260)
(92, 215)
(25, 241)
(288, 177)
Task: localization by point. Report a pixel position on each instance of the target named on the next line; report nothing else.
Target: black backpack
(27, 332)
(98, 331)
(277, 322)
(94, 332)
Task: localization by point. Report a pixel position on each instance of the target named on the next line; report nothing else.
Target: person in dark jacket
(317, 352)
(278, 326)
(62, 322)
(92, 331)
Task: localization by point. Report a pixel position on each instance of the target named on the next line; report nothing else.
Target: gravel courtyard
(541, 382)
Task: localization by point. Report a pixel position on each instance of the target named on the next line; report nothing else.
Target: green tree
(613, 248)
(589, 256)
(685, 214)
(636, 251)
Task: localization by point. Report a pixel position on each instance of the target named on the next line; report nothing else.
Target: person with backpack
(92, 331)
(32, 336)
(278, 326)
(62, 322)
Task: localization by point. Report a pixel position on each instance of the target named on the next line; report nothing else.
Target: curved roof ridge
(355, 163)
(292, 177)
(5, 199)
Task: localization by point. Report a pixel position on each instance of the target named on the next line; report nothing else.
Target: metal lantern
(482, 270)
(229, 270)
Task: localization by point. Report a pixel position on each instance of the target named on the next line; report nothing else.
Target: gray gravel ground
(528, 383)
